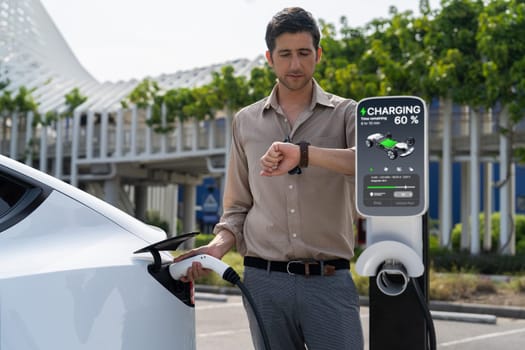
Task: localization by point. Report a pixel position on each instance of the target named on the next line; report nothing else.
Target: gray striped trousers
(299, 312)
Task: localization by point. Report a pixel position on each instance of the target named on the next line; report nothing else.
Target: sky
(125, 39)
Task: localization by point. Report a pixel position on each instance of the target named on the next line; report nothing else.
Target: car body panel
(91, 309)
(69, 278)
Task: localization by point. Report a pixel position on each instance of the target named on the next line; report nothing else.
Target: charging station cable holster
(393, 263)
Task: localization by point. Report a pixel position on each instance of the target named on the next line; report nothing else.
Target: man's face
(294, 59)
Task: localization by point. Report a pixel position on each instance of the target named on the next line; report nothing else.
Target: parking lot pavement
(222, 323)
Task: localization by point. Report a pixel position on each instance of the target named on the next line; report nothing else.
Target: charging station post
(392, 194)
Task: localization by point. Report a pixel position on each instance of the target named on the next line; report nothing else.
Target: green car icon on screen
(392, 147)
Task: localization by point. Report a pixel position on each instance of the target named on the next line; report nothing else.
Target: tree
(397, 45)
(500, 42)
(455, 70)
(230, 89)
(261, 82)
(345, 68)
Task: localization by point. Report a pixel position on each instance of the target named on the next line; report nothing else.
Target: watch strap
(303, 149)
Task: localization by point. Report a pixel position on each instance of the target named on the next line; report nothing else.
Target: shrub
(434, 246)
(231, 258)
(519, 222)
(485, 263)
(361, 282)
(203, 239)
(518, 284)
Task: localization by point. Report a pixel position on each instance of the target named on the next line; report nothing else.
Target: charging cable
(426, 312)
(179, 269)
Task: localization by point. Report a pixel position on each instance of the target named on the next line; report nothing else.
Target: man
(287, 205)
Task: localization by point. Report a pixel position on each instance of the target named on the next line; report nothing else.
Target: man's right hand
(218, 247)
(280, 158)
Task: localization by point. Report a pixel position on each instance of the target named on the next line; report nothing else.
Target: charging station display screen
(391, 156)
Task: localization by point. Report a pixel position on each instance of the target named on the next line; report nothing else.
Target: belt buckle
(305, 263)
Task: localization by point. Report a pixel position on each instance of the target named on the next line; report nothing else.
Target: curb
(457, 311)
(499, 311)
(463, 317)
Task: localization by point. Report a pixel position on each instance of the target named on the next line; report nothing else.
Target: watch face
(391, 156)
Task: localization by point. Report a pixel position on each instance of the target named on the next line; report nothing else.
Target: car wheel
(391, 154)
(369, 143)
(411, 141)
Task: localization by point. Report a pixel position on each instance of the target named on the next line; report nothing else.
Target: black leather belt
(299, 267)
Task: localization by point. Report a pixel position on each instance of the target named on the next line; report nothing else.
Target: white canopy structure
(102, 143)
(34, 55)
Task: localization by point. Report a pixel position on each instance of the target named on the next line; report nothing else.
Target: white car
(73, 274)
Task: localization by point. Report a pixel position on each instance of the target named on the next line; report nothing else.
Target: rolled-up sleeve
(237, 199)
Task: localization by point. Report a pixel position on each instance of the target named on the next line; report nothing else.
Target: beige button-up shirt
(288, 217)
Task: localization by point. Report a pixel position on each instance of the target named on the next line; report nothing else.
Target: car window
(10, 194)
(17, 200)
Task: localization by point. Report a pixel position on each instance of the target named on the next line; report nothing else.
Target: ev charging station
(392, 194)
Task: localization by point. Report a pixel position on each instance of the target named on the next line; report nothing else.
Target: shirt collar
(319, 97)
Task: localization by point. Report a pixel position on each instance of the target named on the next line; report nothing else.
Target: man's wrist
(223, 241)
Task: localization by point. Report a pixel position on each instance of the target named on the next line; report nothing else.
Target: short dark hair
(292, 20)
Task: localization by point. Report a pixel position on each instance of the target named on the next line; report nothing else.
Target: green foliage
(74, 99)
(347, 68)
(456, 67)
(203, 239)
(434, 246)
(262, 80)
(153, 218)
(148, 93)
(232, 92)
(143, 95)
(491, 264)
(22, 102)
(500, 42)
(226, 91)
(488, 262)
(4, 84)
(233, 259)
(519, 223)
(6, 101)
(362, 283)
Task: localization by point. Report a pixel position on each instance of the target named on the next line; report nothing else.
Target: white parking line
(482, 337)
(223, 333)
(231, 332)
(217, 306)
